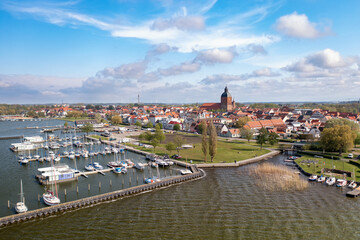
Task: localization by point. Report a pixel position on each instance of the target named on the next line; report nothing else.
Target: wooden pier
(47, 211)
(11, 137)
(354, 193)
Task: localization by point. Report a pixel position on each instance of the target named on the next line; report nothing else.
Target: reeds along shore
(277, 178)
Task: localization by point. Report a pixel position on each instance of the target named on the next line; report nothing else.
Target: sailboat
(49, 197)
(20, 207)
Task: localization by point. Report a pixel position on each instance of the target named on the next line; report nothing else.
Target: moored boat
(352, 184)
(321, 179)
(20, 207)
(50, 199)
(341, 183)
(313, 178)
(330, 181)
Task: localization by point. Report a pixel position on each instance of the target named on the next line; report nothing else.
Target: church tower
(227, 104)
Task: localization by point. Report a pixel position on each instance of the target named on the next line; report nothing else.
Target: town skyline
(178, 52)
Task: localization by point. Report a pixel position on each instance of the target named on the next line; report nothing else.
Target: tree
(342, 121)
(262, 137)
(159, 135)
(98, 117)
(204, 140)
(141, 137)
(160, 125)
(66, 124)
(212, 141)
(357, 139)
(154, 142)
(201, 126)
(116, 120)
(178, 141)
(240, 123)
(149, 125)
(74, 114)
(170, 146)
(88, 127)
(176, 127)
(247, 133)
(273, 138)
(148, 136)
(338, 138)
(138, 124)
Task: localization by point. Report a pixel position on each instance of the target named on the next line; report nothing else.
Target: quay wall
(43, 212)
(240, 163)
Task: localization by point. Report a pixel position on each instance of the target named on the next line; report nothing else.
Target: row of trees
(209, 140)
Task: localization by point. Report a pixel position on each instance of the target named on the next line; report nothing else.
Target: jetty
(354, 193)
(47, 211)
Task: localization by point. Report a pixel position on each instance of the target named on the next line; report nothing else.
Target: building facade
(226, 104)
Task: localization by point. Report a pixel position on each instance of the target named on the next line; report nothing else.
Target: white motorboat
(352, 185)
(139, 166)
(341, 183)
(330, 181)
(97, 166)
(20, 207)
(313, 178)
(90, 167)
(321, 179)
(57, 158)
(185, 171)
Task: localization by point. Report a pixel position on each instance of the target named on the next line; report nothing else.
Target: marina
(73, 181)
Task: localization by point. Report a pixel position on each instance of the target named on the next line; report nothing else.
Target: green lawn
(226, 152)
(74, 119)
(99, 137)
(327, 163)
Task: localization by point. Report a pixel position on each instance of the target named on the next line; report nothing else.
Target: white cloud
(320, 61)
(186, 67)
(222, 79)
(126, 71)
(256, 49)
(185, 23)
(329, 58)
(39, 82)
(298, 26)
(264, 72)
(174, 32)
(216, 55)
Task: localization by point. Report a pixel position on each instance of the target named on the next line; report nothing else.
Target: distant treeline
(351, 107)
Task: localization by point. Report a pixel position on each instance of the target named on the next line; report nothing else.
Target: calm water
(11, 171)
(226, 204)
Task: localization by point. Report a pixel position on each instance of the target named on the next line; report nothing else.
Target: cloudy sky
(175, 51)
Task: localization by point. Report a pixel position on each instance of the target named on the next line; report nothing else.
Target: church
(226, 103)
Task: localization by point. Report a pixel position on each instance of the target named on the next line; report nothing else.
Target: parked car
(175, 156)
(350, 155)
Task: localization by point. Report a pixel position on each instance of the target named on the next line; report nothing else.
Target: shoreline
(266, 156)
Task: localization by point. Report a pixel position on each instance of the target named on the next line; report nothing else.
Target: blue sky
(178, 51)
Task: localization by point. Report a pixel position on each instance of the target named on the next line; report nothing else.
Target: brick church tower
(227, 103)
